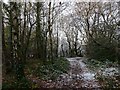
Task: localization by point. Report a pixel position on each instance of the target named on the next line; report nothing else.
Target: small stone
(77, 75)
(50, 81)
(76, 83)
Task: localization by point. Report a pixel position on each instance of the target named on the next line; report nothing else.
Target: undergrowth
(99, 68)
(35, 68)
(51, 70)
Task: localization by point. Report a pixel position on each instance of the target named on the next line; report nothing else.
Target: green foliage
(99, 67)
(104, 48)
(19, 71)
(23, 83)
(52, 69)
(61, 64)
(96, 65)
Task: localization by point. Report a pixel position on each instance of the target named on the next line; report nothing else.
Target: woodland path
(79, 76)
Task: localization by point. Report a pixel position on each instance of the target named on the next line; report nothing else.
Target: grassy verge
(101, 68)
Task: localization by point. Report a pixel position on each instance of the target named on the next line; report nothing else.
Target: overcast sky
(67, 0)
(5, 1)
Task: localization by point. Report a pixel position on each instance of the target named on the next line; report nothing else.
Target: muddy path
(79, 76)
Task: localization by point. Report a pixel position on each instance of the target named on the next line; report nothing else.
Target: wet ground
(79, 76)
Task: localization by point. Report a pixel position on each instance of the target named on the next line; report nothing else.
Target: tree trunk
(50, 32)
(18, 65)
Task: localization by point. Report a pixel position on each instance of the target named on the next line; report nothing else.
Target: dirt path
(78, 76)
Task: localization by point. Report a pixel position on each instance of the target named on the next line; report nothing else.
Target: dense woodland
(37, 37)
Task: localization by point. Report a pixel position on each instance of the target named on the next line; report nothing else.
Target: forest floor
(76, 72)
(80, 75)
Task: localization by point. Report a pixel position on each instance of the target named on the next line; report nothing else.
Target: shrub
(101, 48)
(52, 70)
(23, 83)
